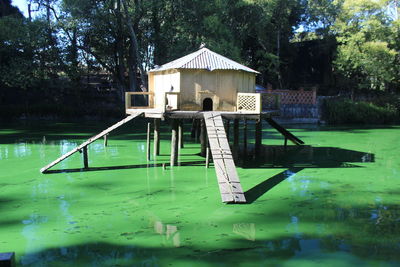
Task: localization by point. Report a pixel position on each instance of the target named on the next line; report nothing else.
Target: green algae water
(332, 202)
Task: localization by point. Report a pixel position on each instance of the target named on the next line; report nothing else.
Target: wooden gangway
(228, 179)
(84, 145)
(284, 132)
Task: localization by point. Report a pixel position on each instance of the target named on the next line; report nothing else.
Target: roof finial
(202, 45)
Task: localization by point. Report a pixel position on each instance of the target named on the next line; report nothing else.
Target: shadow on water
(297, 158)
(121, 167)
(294, 158)
(328, 249)
(257, 191)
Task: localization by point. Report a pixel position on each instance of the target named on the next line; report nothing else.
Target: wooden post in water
(174, 143)
(235, 136)
(198, 130)
(85, 158)
(180, 134)
(193, 129)
(208, 157)
(258, 137)
(156, 148)
(203, 138)
(227, 126)
(245, 136)
(105, 140)
(148, 141)
(285, 144)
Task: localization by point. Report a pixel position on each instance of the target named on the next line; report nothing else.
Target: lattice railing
(270, 101)
(249, 102)
(296, 96)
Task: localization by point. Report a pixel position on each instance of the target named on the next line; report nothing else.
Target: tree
(367, 39)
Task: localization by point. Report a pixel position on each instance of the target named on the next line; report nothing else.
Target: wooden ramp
(228, 179)
(284, 132)
(91, 140)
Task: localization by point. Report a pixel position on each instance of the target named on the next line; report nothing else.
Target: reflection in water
(247, 230)
(22, 150)
(4, 152)
(169, 233)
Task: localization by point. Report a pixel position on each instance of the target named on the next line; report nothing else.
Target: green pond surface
(333, 202)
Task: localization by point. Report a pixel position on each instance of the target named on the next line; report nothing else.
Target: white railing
(248, 102)
(140, 100)
(171, 101)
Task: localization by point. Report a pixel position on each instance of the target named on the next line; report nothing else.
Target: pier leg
(85, 158)
(105, 140)
(148, 141)
(208, 157)
(198, 130)
(258, 137)
(227, 126)
(180, 135)
(235, 136)
(245, 136)
(174, 144)
(285, 144)
(156, 149)
(203, 138)
(193, 129)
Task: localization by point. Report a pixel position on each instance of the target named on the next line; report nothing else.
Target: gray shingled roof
(204, 59)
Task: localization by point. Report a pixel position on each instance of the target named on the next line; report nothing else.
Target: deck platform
(179, 114)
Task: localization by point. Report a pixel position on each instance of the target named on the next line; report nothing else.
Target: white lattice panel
(247, 102)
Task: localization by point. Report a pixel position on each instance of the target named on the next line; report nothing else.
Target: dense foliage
(333, 44)
(344, 111)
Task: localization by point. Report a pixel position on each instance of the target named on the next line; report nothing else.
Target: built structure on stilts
(211, 90)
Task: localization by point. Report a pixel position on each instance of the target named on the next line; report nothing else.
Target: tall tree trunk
(120, 61)
(278, 55)
(134, 50)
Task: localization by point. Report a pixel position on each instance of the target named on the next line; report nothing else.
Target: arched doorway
(207, 104)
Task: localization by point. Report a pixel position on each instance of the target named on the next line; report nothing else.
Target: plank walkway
(228, 179)
(91, 140)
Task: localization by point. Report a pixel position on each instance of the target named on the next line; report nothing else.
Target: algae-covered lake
(333, 202)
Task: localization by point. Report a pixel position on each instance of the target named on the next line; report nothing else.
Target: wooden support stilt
(227, 126)
(174, 144)
(85, 157)
(105, 140)
(258, 137)
(180, 135)
(235, 136)
(208, 157)
(245, 136)
(203, 138)
(198, 131)
(285, 144)
(148, 141)
(193, 129)
(156, 148)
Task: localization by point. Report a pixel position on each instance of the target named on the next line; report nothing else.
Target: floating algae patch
(332, 202)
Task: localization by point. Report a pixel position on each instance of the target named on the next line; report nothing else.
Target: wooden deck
(91, 140)
(228, 179)
(179, 114)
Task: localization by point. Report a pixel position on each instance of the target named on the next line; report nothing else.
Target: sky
(22, 5)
